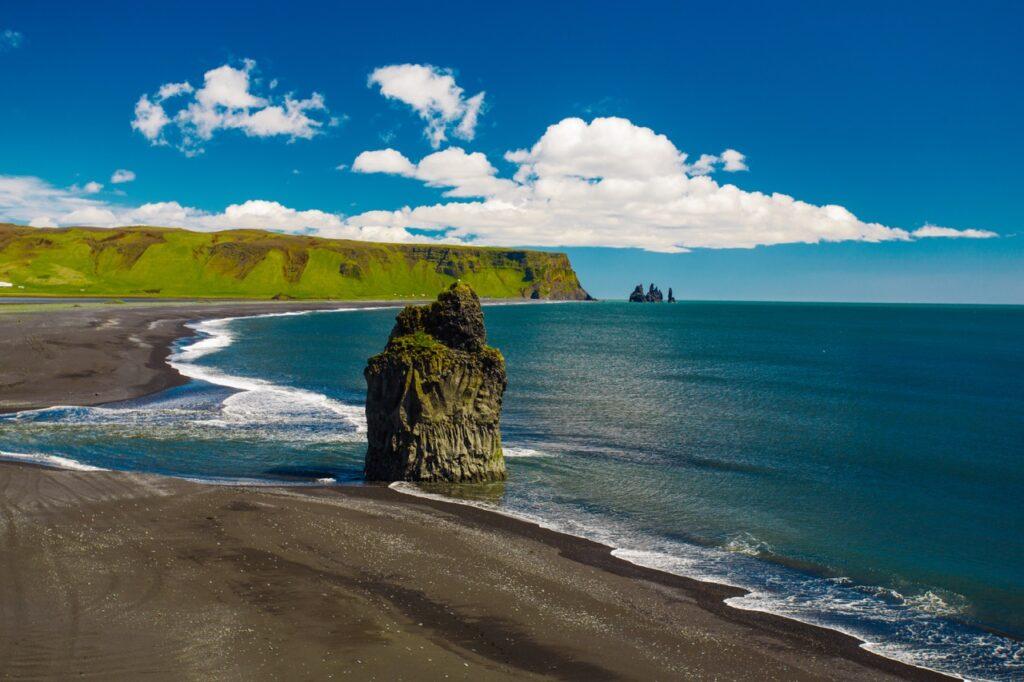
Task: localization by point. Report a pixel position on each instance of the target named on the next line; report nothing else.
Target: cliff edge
(157, 262)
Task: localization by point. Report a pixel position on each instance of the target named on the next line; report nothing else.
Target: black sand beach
(117, 575)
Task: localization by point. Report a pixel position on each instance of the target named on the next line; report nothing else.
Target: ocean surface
(859, 467)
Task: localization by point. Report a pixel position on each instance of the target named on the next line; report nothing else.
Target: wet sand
(98, 353)
(114, 575)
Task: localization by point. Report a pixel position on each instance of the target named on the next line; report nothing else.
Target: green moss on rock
(434, 396)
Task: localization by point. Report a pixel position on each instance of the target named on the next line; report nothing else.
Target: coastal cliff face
(434, 395)
(158, 262)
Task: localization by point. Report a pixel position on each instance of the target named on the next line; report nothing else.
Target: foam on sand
(51, 461)
(916, 630)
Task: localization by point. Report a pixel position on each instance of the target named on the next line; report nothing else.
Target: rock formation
(433, 399)
(653, 295)
(671, 298)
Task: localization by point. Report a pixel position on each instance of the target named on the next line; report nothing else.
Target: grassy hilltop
(172, 262)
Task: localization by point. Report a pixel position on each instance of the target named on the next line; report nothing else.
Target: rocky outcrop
(653, 295)
(433, 399)
(671, 298)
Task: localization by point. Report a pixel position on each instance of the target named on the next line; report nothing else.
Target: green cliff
(171, 262)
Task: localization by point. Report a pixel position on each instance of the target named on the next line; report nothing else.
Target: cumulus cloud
(730, 161)
(733, 161)
(122, 175)
(383, 161)
(433, 94)
(461, 174)
(607, 182)
(226, 101)
(10, 40)
(610, 182)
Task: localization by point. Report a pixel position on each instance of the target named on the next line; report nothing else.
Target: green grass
(170, 262)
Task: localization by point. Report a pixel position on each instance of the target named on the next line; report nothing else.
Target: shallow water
(857, 467)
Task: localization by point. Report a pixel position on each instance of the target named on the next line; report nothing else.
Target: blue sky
(906, 119)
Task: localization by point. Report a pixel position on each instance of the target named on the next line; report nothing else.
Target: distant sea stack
(653, 295)
(434, 395)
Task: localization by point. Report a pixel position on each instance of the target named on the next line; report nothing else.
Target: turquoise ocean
(860, 467)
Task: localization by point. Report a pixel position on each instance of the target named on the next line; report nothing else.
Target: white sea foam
(235, 481)
(52, 461)
(745, 543)
(259, 401)
(905, 629)
(514, 451)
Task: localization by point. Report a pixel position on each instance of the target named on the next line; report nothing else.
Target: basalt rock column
(433, 399)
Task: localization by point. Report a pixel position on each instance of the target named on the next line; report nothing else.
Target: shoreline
(171, 323)
(711, 596)
(102, 353)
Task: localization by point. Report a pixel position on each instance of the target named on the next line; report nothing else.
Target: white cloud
(733, 161)
(226, 101)
(383, 161)
(90, 215)
(703, 165)
(150, 119)
(605, 148)
(168, 90)
(603, 183)
(936, 231)
(30, 200)
(612, 183)
(91, 187)
(42, 221)
(467, 126)
(730, 161)
(10, 40)
(462, 174)
(122, 175)
(434, 95)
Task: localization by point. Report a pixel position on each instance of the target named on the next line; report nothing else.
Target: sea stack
(433, 401)
(653, 295)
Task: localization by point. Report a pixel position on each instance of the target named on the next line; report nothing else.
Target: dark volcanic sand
(116, 576)
(105, 352)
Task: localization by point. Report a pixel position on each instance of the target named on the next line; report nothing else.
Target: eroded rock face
(433, 400)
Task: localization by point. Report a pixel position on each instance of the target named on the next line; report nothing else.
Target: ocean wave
(519, 451)
(939, 602)
(917, 630)
(257, 401)
(51, 461)
(745, 543)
